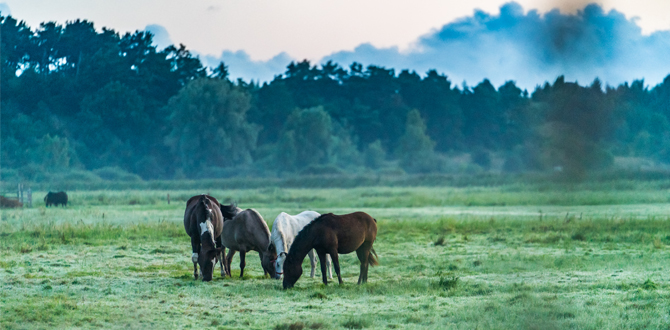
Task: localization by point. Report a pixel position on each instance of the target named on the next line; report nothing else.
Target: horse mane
(282, 234)
(258, 217)
(304, 232)
(229, 211)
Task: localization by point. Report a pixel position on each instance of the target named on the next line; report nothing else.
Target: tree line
(77, 98)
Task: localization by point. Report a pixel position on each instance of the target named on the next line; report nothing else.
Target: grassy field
(504, 257)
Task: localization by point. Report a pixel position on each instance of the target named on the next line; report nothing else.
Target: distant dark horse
(244, 231)
(333, 234)
(55, 198)
(203, 222)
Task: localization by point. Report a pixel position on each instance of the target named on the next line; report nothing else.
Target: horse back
(348, 231)
(246, 231)
(190, 219)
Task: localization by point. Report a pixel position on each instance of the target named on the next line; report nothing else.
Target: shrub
(321, 170)
(116, 174)
(482, 158)
(357, 323)
(447, 283)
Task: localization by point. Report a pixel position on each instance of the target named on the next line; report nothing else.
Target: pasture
(506, 257)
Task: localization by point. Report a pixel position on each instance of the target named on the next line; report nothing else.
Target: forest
(80, 102)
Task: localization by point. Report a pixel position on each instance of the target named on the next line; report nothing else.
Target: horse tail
(372, 260)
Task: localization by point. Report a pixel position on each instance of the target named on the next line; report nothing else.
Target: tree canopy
(78, 97)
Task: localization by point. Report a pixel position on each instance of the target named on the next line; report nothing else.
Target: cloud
(4, 9)
(161, 35)
(240, 65)
(531, 48)
(526, 47)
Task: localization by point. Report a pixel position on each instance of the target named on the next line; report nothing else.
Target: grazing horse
(284, 230)
(55, 198)
(333, 234)
(203, 222)
(244, 231)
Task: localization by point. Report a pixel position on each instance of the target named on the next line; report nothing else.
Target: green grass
(514, 259)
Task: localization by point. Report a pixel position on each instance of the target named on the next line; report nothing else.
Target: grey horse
(244, 231)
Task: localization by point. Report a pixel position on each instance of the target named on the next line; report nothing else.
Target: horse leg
(223, 261)
(229, 260)
(312, 261)
(336, 264)
(265, 272)
(242, 263)
(329, 266)
(195, 247)
(222, 256)
(363, 253)
(322, 258)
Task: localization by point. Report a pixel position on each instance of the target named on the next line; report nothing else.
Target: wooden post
(168, 198)
(30, 197)
(19, 193)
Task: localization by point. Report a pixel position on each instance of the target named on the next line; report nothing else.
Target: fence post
(30, 197)
(168, 198)
(19, 193)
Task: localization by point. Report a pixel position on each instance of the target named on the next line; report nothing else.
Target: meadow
(510, 256)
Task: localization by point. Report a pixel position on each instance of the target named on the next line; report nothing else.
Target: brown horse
(333, 234)
(203, 222)
(244, 231)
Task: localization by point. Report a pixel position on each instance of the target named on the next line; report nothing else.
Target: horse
(203, 222)
(55, 198)
(244, 231)
(284, 230)
(333, 234)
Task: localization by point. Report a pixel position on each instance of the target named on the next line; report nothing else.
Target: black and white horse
(203, 222)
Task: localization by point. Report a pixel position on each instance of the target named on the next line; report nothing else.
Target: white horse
(284, 230)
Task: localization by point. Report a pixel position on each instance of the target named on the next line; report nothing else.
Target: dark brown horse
(203, 222)
(244, 231)
(333, 234)
(55, 198)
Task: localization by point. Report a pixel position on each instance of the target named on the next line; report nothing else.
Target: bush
(327, 169)
(32, 172)
(374, 155)
(482, 158)
(77, 175)
(448, 283)
(116, 174)
(513, 164)
(10, 175)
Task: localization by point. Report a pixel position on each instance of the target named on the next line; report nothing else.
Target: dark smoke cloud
(529, 48)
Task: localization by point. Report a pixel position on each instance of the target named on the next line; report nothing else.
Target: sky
(615, 40)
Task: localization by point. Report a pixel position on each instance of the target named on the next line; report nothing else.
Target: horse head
(209, 251)
(269, 260)
(279, 264)
(229, 211)
(292, 271)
